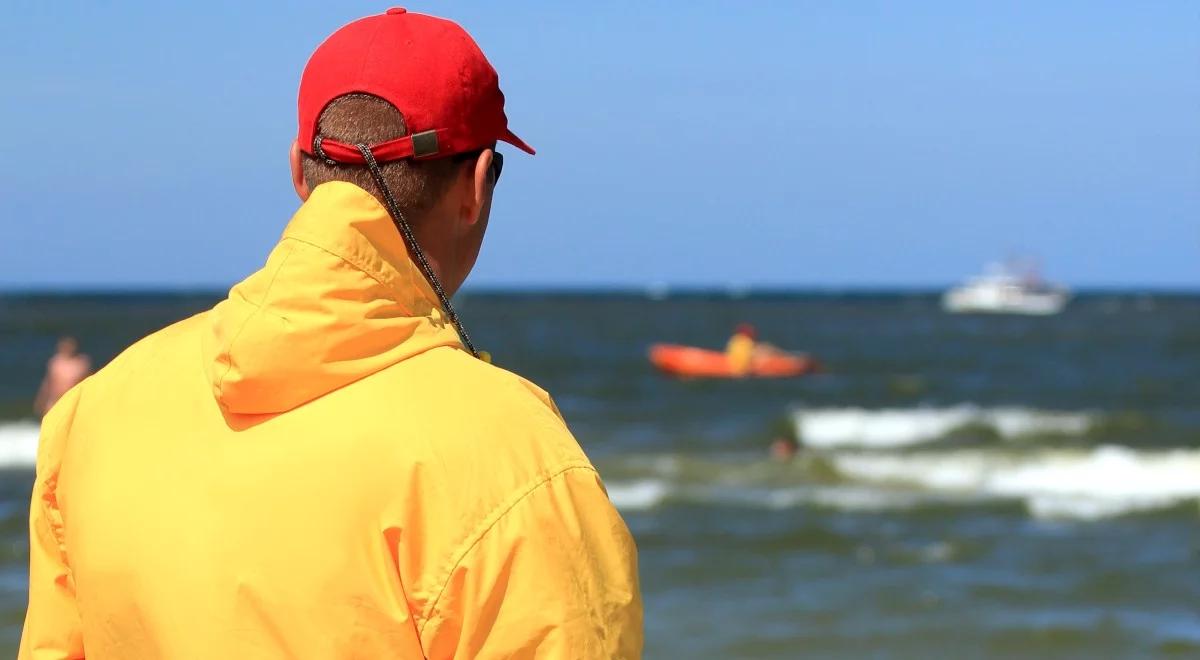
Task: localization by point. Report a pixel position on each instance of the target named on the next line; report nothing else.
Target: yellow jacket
(316, 469)
(740, 353)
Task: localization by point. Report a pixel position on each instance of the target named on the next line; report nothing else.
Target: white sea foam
(647, 494)
(1075, 483)
(899, 427)
(637, 495)
(845, 498)
(18, 444)
(1100, 482)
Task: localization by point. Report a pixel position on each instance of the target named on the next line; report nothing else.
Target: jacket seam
(369, 272)
(365, 270)
(489, 522)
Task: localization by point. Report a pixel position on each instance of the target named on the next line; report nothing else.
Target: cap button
(396, 11)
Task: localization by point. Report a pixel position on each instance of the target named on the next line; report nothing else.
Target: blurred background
(1003, 458)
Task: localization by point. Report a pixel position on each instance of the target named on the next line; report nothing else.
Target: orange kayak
(692, 362)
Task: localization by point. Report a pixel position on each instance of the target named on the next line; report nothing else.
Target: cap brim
(517, 142)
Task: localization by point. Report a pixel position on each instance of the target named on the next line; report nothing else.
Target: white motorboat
(1004, 290)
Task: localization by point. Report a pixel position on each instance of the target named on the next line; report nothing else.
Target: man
(319, 467)
(740, 349)
(65, 369)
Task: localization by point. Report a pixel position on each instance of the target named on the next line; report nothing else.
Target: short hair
(363, 118)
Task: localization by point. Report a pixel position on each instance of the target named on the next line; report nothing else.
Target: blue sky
(689, 143)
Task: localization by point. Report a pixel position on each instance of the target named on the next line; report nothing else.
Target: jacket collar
(338, 299)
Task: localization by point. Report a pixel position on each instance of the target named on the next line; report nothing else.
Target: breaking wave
(1087, 483)
(18, 444)
(826, 428)
(1081, 483)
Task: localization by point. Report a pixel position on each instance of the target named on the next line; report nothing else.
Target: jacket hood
(338, 299)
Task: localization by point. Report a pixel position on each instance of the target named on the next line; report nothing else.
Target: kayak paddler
(740, 349)
(320, 466)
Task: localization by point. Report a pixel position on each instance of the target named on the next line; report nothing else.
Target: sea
(966, 487)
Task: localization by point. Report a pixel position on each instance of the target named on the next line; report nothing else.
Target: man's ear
(296, 160)
(480, 186)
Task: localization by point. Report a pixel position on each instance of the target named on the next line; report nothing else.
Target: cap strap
(426, 144)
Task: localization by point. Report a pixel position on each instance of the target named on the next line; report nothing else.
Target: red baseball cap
(429, 68)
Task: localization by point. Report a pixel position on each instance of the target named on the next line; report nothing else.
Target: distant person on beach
(321, 466)
(66, 369)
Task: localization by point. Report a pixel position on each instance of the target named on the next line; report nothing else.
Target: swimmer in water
(64, 370)
(784, 448)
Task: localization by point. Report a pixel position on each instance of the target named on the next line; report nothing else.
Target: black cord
(411, 239)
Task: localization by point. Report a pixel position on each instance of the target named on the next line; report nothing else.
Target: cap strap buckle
(425, 144)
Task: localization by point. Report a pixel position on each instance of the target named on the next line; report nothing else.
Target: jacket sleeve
(554, 575)
(52, 626)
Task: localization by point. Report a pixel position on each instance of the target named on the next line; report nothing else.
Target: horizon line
(648, 290)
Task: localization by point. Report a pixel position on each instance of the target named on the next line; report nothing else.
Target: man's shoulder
(158, 350)
(124, 373)
(474, 385)
(479, 411)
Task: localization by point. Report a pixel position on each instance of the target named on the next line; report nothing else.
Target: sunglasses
(497, 162)
(497, 166)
